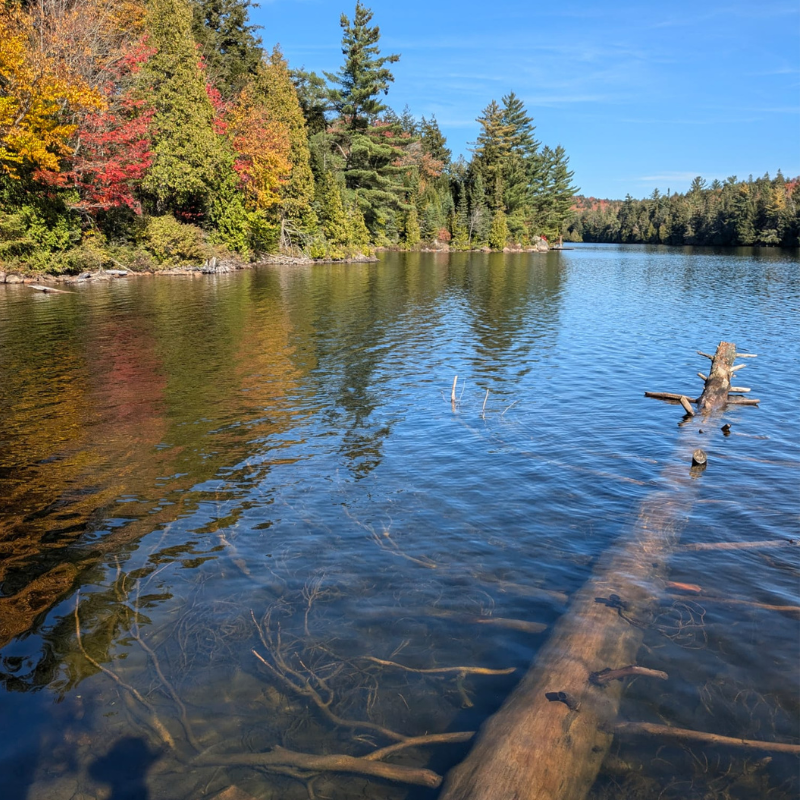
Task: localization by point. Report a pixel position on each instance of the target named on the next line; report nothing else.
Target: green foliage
(413, 235)
(228, 44)
(35, 224)
(275, 90)
(174, 243)
(498, 234)
(763, 211)
(190, 159)
(364, 75)
(433, 141)
(312, 93)
(331, 210)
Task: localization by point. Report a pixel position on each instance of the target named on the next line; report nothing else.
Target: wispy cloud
(671, 176)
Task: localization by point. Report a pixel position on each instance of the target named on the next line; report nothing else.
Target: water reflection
(266, 462)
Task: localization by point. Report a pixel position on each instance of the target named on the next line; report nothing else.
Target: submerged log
(536, 749)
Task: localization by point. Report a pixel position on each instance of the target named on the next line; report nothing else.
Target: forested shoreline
(154, 134)
(754, 212)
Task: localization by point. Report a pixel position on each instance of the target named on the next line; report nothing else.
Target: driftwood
(44, 288)
(717, 390)
(607, 675)
(685, 735)
(279, 757)
(533, 748)
(790, 611)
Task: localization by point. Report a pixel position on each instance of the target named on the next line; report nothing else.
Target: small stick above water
(453, 391)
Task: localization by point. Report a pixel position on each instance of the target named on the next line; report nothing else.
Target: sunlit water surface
(269, 463)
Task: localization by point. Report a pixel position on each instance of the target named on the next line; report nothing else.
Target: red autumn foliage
(113, 151)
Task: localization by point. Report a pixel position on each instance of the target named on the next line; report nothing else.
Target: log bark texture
(537, 749)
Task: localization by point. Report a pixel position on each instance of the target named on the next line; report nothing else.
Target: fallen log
(717, 389)
(537, 749)
(686, 735)
(38, 287)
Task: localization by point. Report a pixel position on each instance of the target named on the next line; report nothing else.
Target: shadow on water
(124, 769)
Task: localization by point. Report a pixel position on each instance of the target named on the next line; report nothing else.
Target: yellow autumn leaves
(38, 98)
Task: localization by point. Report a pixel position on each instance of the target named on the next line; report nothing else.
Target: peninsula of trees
(154, 133)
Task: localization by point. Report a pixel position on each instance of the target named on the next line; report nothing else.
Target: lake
(226, 500)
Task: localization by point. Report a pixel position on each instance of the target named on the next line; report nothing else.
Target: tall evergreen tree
(312, 92)
(370, 145)
(275, 90)
(492, 147)
(433, 140)
(520, 127)
(228, 42)
(364, 75)
(190, 158)
(331, 210)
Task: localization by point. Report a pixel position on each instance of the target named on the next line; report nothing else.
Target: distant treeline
(761, 211)
(152, 133)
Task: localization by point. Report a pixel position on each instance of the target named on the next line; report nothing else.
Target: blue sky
(641, 95)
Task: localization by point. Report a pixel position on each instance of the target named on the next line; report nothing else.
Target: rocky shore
(216, 266)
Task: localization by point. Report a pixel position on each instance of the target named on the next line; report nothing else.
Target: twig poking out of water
(511, 406)
(483, 410)
(453, 390)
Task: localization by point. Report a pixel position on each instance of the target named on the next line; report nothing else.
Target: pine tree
(364, 76)
(492, 147)
(357, 231)
(520, 127)
(312, 92)
(563, 189)
(461, 226)
(480, 218)
(433, 141)
(408, 122)
(372, 146)
(190, 158)
(227, 42)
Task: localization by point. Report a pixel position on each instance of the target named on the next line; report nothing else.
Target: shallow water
(269, 462)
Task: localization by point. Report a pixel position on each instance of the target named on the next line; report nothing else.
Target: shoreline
(223, 266)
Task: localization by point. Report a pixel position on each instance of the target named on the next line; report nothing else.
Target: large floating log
(551, 735)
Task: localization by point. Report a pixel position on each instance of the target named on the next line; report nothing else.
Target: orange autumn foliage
(263, 151)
